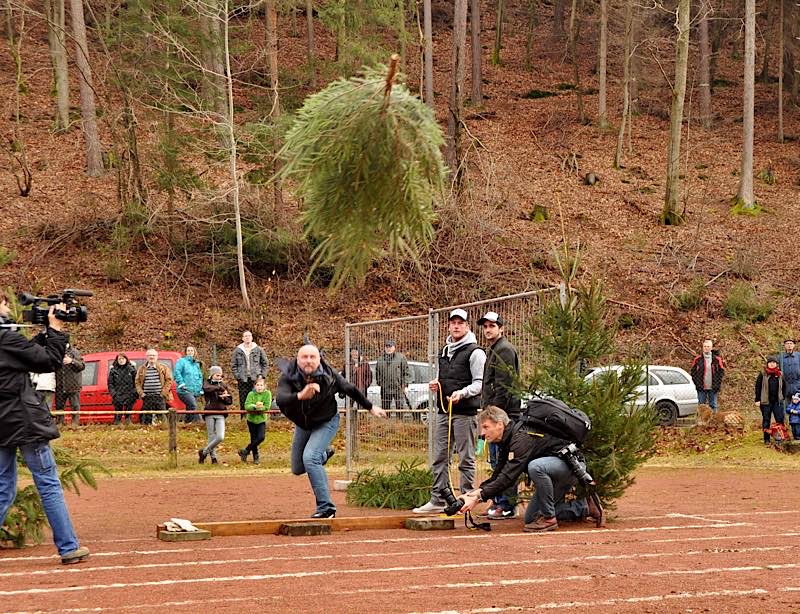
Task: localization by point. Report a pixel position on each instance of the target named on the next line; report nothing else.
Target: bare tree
(602, 55)
(705, 66)
(745, 200)
(312, 45)
(455, 111)
(477, 52)
(427, 51)
(498, 32)
(781, 34)
(56, 40)
(763, 76)
(670, 214)
(271, 32)
(626, 81)
(574, 32)
(94, 155)
(558, 18)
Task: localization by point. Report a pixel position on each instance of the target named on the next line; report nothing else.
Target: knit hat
(769, 359)
(214, 370)
(796, 397)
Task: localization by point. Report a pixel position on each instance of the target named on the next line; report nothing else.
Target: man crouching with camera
(25, 423)
(542, 456)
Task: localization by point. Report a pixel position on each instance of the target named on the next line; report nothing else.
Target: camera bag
(558, 419)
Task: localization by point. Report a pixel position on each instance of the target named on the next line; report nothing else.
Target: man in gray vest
(458, 393)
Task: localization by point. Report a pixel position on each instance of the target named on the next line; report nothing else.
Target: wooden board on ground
(430, 524)
(271, 527)
(302, 529)
(182, 536)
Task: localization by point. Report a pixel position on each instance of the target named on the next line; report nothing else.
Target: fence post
(351, 421)
(433, 361)
(172, 422)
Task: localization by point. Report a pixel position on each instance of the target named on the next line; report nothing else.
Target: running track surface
(717, 540)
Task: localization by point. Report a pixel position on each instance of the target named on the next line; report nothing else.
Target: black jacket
(122, 382)
(321, 407)
(23, 418)
(519, 446)
(502, 365)
(215, 405)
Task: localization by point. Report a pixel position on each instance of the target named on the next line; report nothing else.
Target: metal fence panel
(408, 433)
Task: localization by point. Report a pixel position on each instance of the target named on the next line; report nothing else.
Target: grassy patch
(535, 94)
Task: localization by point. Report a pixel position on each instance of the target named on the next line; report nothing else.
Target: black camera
(571, 455)
(40, 307)
(452, 505)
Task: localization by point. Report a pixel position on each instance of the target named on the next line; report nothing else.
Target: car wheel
(667, 413)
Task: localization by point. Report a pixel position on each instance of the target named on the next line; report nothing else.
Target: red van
(94, 394)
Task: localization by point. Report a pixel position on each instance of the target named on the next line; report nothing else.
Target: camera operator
(522, 449)
(25, 423)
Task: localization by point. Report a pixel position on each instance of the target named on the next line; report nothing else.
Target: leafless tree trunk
(763, 76)
(705, 67)
(533, 21)
(94, 155)
(670, 214)
(428, 51)
(745, 200)
(271, 17)
(214, 76)
(455, 111)
(558, 18)
(340, 30)
(312, 45)
(781, 32)
(9, 15)
(498, 32)
(626, 81)
(477, 52)
(574, 32)
(636, 66)
(602, 119)
(56, 40)
(401, 29)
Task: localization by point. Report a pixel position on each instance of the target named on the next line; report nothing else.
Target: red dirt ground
(721, 540)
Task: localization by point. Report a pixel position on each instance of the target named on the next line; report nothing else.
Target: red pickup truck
(94, 394)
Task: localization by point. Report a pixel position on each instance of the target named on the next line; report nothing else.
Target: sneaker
(488, 512)
(498, 513)
(214, 461)
(329, 452)
(429, 508)
(541, 524)
(324, 514)
(201, 456)
(76, 556)
(256, 461)
(243, 454)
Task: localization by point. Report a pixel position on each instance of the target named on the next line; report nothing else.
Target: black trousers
(258, 433)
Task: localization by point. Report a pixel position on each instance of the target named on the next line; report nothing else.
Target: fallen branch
(639, 307)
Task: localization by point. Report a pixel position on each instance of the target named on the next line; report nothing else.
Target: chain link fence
(399, 375)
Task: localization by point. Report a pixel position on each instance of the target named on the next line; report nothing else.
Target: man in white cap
(502, 366)
(458, 394)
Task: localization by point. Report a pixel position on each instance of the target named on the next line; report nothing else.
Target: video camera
(40, 307)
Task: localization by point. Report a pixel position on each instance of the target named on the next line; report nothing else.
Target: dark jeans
(123, 404)
(258, 433)
(767, 412)
(188, 399)
(74, 399)
(244, 390)
(151, 402)
(795, 430)
(508, 500)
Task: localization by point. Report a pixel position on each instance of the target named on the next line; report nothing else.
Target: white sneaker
(429, 508)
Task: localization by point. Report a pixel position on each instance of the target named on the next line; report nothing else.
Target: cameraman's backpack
(556, 418)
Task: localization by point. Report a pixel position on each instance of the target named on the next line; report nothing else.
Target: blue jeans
(504, 501)
(309, 455)
(188, 399)
(42, 464)
(708, 397)
(553, 479)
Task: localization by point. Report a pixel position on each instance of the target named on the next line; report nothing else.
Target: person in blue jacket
(189, 382)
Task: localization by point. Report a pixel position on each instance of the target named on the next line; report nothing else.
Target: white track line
(410, 568)
(617, 601)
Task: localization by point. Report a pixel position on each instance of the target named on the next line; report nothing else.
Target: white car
(669, 389)
(417, 394)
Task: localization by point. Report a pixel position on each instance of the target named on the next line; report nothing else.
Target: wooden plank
(302, 529)
(183, 536)
(272, 527)
(431, 523)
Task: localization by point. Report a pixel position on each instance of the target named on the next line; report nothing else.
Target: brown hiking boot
(541, 524)
(596, 512)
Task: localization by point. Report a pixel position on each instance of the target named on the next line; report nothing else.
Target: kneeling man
(523, 449)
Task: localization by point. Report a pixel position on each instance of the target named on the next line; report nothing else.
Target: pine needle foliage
(365, 157)
(26, 519)
(408, 487)
(574, 333)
